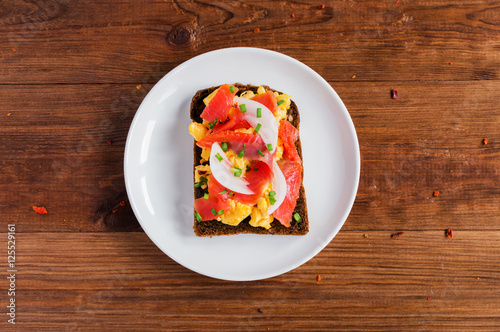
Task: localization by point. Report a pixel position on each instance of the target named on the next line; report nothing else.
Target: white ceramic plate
(159, 160)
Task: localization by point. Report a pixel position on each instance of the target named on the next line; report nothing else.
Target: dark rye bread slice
(214, 227)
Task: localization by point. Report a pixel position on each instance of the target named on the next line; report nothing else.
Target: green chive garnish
(218, 157)
(203, 180)
(223, 146)
(220, 212)
(280, 102)
(243, 108)
(205, 196)
(240, 155)
(272, 200)
(260, 152)
(244, 144)
(237, 171)
(197, 216)
(259, 112)
(256, 169)
(223, 192)
(211, 125)
(231, 89)
(270, 147)
(248, 168)
(296, 217)
(258, 127)
(215, 121)
(214, 212)
(230, 193)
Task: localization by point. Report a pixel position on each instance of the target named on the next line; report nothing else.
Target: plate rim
(352, 132)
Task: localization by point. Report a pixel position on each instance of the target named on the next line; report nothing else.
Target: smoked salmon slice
(219, 105)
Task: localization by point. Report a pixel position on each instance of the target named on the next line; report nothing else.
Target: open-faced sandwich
(247, 162)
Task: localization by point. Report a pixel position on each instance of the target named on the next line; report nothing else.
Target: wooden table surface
(73, 74)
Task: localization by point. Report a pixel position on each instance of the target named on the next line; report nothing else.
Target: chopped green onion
(256, 169)
(203, 180)
(259, 112)
(230, 193)
(261, 153)
(220, 212)
(296, 217)
(197, 216)
(211, 125)
(223, 192)
(205, 196)
(257, 128)
(240, 155)
(231, 89)
(248, 168)
(218, 157)
(223, 146)
(215, 121)
(280, 102)
(243, 108)
(270, 147)
(272, 200)
(214, 212)
(237, 171)
(244, 144)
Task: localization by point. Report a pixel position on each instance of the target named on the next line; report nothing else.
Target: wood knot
(180, 36)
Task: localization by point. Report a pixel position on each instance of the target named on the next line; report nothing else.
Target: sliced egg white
(279, 187)
(268, 125)
(222, 171)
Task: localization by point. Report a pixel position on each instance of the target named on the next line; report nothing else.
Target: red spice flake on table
(40, 209)
(13, 50)
(114, 211)
(353, 76)
(394, 94)
(109, 141)
(8, 114)
(321, 7)
(122, 203)
(318, 278)
(293, 15)
(317, 36)
(449, 233)
(397, 234)
(485, 141)
(435, 193)
(428, 299)
(256, 30)
(138, 87)
(451, 63)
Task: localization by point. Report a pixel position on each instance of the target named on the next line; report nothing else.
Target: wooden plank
(99, 42)
(56, 154)
(369, 281)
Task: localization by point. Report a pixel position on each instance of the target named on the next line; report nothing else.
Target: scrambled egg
(241, 163)
(199, 171)
(281, 112)
(260, 218)
(236, 214)
(197, 130)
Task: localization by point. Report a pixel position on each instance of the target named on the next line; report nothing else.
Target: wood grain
(367, 283)
(374, 40)
(410, 147)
